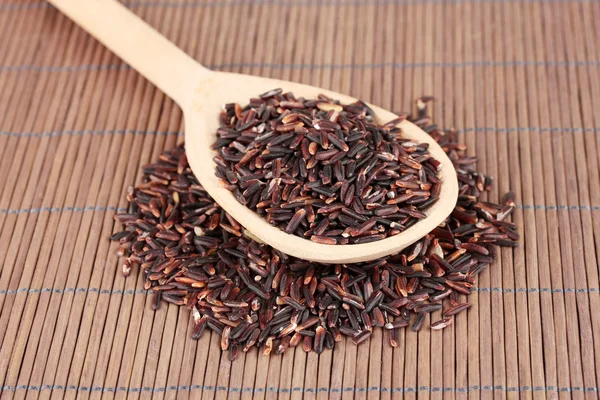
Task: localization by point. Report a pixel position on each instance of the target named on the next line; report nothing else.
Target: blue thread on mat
(535, 290)
(121, 209)
(287, 3)
(60, 209)
(304, 390)
(143, 291)
(424, 64)
(180, 134)
(559, 207)
(90, 132)
(321, 4)
(529, 129)
(228, 66)
(77, 290)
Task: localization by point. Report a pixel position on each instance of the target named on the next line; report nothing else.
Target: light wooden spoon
(201, 93)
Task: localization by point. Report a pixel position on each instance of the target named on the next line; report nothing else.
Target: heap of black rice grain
(193, 254)
(322, 170)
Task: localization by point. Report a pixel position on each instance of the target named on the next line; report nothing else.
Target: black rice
(193, 254)
(325, 171)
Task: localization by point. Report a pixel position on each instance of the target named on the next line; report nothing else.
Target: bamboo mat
(520, 79)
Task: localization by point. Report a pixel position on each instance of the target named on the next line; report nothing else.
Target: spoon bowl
(201, 93)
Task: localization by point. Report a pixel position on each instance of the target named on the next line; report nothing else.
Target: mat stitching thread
(424, 64)
(303, 390)
(61, 209)
(164, 3)
(529, 129)
(143, 291)
(559, 207)
(120, 209)
(168, 133)
(91, 132)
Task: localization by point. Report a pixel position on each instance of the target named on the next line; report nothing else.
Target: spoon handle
(138, 44)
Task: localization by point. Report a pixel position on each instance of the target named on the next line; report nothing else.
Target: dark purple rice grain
(361, 337)
(319, 340)
(456, 309)
(441, 324)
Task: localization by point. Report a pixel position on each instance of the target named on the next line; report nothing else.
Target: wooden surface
(520, 79)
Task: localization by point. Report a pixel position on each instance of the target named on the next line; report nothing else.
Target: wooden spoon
(201, 93)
